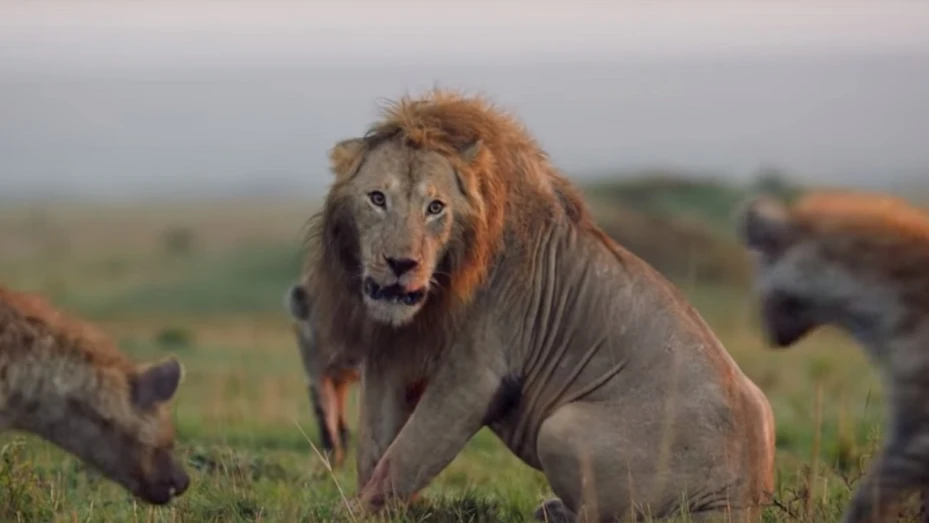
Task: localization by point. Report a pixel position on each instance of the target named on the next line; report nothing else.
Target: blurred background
(112, 100)
(158, 160)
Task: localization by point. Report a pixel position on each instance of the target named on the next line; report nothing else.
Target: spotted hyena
(65, 381)
(328, 381)
(859, 262)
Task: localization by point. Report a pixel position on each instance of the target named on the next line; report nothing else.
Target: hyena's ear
(764, 225)
(157, 383)
(345, 156)
(297, 301)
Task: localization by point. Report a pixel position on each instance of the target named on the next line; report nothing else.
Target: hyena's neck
(50, 397)
(887, 328)
(906, 356)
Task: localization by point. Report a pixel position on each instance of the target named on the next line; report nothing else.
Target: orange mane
(509, 182)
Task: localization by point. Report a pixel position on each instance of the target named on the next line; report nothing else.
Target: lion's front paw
(554, 511)
(351, 509)
(366, 505)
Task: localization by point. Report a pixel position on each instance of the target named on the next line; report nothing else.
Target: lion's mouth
(395, 293)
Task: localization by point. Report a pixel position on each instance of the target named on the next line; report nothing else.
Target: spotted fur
(66, 381)
(328, 380)
(858, 262)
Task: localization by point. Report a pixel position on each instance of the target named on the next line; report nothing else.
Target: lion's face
(404, 203)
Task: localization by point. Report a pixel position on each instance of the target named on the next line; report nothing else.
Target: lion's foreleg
(383, 411)
(452, 409)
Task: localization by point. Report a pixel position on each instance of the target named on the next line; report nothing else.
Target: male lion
(466, 271)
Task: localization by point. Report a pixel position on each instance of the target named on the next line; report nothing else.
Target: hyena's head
(299, 304)
(830, 259)
(125, 429)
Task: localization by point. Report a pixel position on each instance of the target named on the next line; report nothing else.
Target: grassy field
(206, 284)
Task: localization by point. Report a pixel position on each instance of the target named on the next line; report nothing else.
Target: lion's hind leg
(578, 457)
(554, 511)
(749, 515)
(610, 463)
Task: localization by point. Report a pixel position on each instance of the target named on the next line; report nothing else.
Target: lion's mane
(509, 181)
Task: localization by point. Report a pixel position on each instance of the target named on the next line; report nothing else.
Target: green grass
(248, 280)
(246, 432)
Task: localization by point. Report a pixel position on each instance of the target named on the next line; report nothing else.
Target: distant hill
(681, 223)
(706, 201)
(683, 251)
(681, 226)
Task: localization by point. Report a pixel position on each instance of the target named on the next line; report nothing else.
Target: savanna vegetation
(206, 283)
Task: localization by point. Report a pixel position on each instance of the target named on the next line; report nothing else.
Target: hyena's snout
(168, 480)
(180, 480)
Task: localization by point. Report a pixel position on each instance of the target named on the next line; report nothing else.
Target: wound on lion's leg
(414, 392)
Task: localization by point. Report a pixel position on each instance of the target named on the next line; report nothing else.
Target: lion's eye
(377, 198)
(435, 207)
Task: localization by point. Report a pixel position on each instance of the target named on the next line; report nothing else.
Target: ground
(206, 284)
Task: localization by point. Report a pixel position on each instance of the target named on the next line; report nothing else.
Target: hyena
(66, 382)
(859, 262)
(328, 380)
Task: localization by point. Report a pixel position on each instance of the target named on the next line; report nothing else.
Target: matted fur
(532, 315)
(510, 182)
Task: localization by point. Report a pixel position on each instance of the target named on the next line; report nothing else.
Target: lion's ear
(345, 156)
(764, 225)
(470, 150)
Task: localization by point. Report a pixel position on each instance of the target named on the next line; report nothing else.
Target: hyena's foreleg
(320, 414)
(341, 393)
(330, 426)
(902, 467)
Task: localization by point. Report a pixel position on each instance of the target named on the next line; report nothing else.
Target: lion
(467, 274)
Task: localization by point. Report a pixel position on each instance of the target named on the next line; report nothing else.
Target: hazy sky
(143, 33)
(112, 98)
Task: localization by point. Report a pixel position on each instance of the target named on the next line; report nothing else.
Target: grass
(244, 423)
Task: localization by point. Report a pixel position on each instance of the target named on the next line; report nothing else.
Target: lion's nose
(401, 266)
